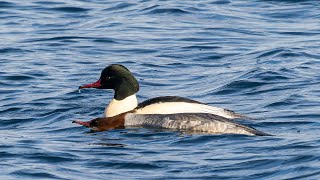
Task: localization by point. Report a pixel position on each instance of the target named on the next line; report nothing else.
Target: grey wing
(213, 117)
(202, 122)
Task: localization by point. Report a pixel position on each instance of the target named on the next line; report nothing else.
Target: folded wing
(201, 122)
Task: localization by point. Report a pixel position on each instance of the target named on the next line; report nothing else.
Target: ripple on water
(125, 165)
(6, 4)
(13, 50)
(34, 173)
(18, 77)
(58, 38)
(281, 53)
(173, 11)
(70, 9)
(238, 86)
(119, 6)
(105, 40)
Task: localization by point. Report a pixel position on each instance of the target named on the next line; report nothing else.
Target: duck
(126, 86)
(185, 122)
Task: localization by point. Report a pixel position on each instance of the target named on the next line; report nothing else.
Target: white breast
(184, 107)
(117, 107)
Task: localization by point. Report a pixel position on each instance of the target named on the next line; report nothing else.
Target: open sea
(256, 57)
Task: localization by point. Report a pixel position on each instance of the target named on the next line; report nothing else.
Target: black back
(163, 99)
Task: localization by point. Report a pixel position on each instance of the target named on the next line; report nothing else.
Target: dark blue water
(259, 58)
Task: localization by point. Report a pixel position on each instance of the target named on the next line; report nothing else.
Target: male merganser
(125, 85)
(190, 122)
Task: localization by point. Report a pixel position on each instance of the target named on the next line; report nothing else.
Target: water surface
(259, 58)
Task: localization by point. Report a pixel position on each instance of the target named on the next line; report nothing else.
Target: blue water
(259, 58)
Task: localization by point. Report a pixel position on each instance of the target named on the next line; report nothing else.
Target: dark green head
(118, 78)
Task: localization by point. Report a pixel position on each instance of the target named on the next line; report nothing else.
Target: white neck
(117, 107)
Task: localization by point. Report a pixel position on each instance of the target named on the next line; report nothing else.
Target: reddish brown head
(104, 124)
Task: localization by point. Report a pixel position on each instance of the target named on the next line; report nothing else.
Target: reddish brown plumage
(114, 122)
(104, 124)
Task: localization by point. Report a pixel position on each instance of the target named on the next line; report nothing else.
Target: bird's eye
(108, 78)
